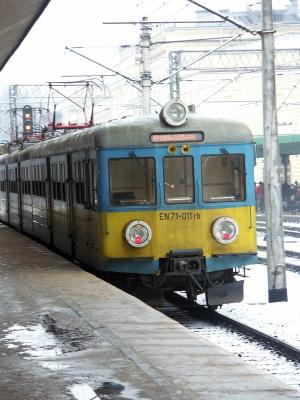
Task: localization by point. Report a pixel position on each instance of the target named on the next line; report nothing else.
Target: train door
(3, 193)
(84, 221)
(26, 192)
(14, 195)
(61, 229)
(92, 204)
(40, 220)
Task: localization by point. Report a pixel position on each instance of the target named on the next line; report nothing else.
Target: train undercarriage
(184, 270)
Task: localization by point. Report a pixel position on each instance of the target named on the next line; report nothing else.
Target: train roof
(133, 132)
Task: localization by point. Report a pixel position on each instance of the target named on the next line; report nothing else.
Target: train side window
(58, 181)
(223, 178)
(22, 173)
(27, 182)
(132, 181)
(43, 182)
(2, 182)
(80, 181)
(92, 183)
(178, 180)
(12, 180)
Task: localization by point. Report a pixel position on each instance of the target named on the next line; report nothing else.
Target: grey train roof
(133, 132)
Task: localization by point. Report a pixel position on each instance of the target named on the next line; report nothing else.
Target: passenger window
(178, 180)
(223, 178)
(3, 179)
(58, 181)
(132, 181)
(92, 183)
(80, 182)
(12, 180)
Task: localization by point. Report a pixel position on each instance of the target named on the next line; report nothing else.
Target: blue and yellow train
(166, 201)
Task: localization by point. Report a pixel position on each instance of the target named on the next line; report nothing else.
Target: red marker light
(138, 234)
(138, 239)
(226, 236)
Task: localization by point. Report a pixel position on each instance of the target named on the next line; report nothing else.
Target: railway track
(290, 231)
(201, 313)
(286, 217)
(288, 253)
(289, 266)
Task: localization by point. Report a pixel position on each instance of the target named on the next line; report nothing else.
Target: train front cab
(180, 215)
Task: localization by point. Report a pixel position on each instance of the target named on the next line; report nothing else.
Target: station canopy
(17, 17)
(288, 144)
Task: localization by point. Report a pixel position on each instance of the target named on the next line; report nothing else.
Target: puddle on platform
(32, 340)
(107, 391)
(45, 341)
(69, 339)
(83, 392)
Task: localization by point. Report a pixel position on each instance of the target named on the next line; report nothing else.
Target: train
(163, 202)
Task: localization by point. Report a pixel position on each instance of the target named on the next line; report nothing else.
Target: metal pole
(13, 92)
(273, 195)
(174, 63)
(145, 67)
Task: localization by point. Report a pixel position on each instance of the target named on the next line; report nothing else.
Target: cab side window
(223, 178)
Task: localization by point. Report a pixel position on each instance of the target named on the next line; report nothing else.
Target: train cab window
(178, 180)
(132, 181)
(223, 178)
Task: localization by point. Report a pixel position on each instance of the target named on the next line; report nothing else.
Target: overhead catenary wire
(234, 79)
(215, 38)
(129, 80)
(219, 89)
(102, 65)
(226, 18)
(283, 103)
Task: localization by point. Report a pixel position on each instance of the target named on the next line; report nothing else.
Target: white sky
(42, 56)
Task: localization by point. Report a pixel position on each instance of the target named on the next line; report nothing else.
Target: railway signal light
(27, 120)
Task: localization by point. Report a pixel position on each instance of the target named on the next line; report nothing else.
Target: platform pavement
(65, 334)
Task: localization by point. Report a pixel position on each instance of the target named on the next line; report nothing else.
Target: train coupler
(182, 261)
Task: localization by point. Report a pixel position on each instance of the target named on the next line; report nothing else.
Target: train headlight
(174, 113)
(225, 230)
(138, 234)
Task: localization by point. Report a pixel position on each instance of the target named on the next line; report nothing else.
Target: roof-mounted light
(174, 113)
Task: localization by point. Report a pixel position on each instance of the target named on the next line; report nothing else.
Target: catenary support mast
(273, 196)
(145, 67)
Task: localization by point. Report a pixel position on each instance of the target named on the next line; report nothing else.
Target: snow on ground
(281, 319)
(290, 243)
(278, 319)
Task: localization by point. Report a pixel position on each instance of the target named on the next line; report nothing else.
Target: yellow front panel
(176, 229)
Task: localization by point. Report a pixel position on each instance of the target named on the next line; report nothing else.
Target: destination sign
(177, 137)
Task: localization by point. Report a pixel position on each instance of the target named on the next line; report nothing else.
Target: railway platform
(65, 335)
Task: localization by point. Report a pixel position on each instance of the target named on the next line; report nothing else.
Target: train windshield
(223, 178)
(178, 180)
(132, 181)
